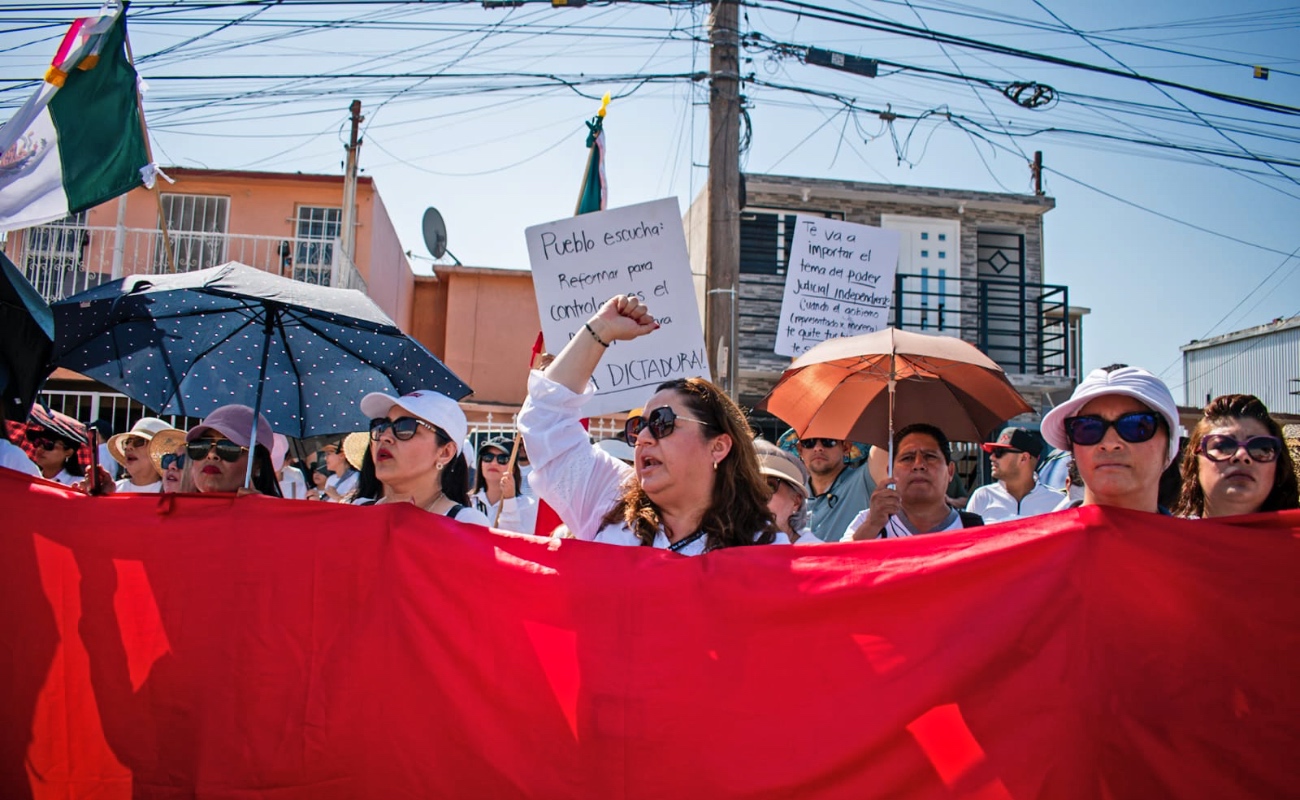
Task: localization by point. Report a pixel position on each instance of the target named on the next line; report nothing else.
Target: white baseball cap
(1132, 382)
(428, 405)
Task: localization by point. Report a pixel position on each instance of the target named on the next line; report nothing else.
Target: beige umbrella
(863, 387)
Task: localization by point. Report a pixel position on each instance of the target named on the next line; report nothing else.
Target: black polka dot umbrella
(187, 343)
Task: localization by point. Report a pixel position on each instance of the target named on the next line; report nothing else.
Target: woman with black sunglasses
(496, 490)
(1121, 428)
(1237, 462)
(415, 444)
(694, 486)
(217, 452)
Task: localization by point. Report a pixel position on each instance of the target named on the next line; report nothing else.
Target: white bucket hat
(1132, 382)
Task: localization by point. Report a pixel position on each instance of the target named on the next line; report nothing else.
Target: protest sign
(840, 282)
(580, 262)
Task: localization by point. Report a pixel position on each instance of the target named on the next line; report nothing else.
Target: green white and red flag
(79, 140)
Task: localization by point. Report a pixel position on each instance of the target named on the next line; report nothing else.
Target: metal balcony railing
(1024, 327)
(62, 259)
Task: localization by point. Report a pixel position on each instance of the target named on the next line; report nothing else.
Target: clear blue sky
(501, 147)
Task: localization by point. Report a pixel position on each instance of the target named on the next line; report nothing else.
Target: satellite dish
(435, 232)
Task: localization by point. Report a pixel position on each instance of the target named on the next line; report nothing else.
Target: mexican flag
(79, 141)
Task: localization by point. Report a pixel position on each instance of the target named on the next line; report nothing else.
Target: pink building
(286, 223)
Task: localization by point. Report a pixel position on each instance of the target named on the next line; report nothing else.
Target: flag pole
(148, 150)
(519, 437)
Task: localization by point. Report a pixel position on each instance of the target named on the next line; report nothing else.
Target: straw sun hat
(354, 447)
(163, 442)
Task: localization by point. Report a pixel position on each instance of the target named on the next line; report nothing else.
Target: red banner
(214, 647)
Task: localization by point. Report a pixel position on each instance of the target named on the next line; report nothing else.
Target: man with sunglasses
(1016, 491)
(837, 492)
(1120, 425)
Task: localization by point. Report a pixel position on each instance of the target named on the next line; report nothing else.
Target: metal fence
(64, 258)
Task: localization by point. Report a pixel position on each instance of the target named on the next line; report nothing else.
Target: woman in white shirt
(496, 490)
(695, 484)
(131, 450)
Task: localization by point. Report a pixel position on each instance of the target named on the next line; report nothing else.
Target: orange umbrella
(863, 387)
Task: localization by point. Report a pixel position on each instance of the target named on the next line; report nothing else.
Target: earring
(715, 466)
(439, 466)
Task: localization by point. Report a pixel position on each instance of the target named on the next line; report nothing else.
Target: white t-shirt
(67, 478)
(518, 514)
(124, 486)
(293, 486)
(579, 480)
(995, 504)
(343, 484)
(15, 458)
(899, 527)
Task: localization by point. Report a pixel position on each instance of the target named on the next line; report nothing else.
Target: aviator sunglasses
(170, 460)
(1221, 447)
(661, 422)
(403, 428)
(808, 444)
(1135, 427)
(227, 450)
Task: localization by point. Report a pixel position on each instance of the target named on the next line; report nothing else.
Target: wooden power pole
(723, 263)
(347, 235)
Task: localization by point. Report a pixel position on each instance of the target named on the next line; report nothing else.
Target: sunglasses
(1004, 451)
(808, 444)
(661, 422)
(134, 441)
(403, 428)
(44, 444)
(170, 460)
(500, 458)
(1135, 427)
(1221, 447)
(227, 450)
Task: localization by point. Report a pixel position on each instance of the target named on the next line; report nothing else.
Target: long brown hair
(1221, 410)
(738, 508)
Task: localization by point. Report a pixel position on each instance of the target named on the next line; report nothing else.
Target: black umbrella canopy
(26, 340)
(191, 342)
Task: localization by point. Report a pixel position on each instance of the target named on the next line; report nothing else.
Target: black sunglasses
(808, 444)
(1002, 451)
(500, 458)
(227, 450)
(169, 460)
(403, 428)
(661, 422)
(1134, 427)
(1221, 447)
(44, 444)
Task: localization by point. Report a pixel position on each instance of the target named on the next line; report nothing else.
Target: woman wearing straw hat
(167, 454)
(415, 442)
(496, 489)
(131, 450)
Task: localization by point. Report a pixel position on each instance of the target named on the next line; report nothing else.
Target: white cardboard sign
(840, 282)
(580, 262)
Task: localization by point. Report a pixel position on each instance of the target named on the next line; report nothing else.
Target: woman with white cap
(787, 478)
(1121, 427)
(414, 441)
(218, 452)
(695, 484)
(131, 450)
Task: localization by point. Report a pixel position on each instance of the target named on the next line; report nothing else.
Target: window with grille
(317, 229)
(53, 252)
(196, 227)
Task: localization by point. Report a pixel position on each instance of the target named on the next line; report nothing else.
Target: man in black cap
(1017, 493)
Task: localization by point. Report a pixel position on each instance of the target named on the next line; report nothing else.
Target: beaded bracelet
(599, 340)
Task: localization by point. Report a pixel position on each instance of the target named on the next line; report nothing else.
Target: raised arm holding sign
(637, 251)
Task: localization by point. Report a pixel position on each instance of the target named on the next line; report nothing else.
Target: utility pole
(1036, 169)
(346, 234)
(723, 262)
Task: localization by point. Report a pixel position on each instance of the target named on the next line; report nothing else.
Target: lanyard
(680, 545)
